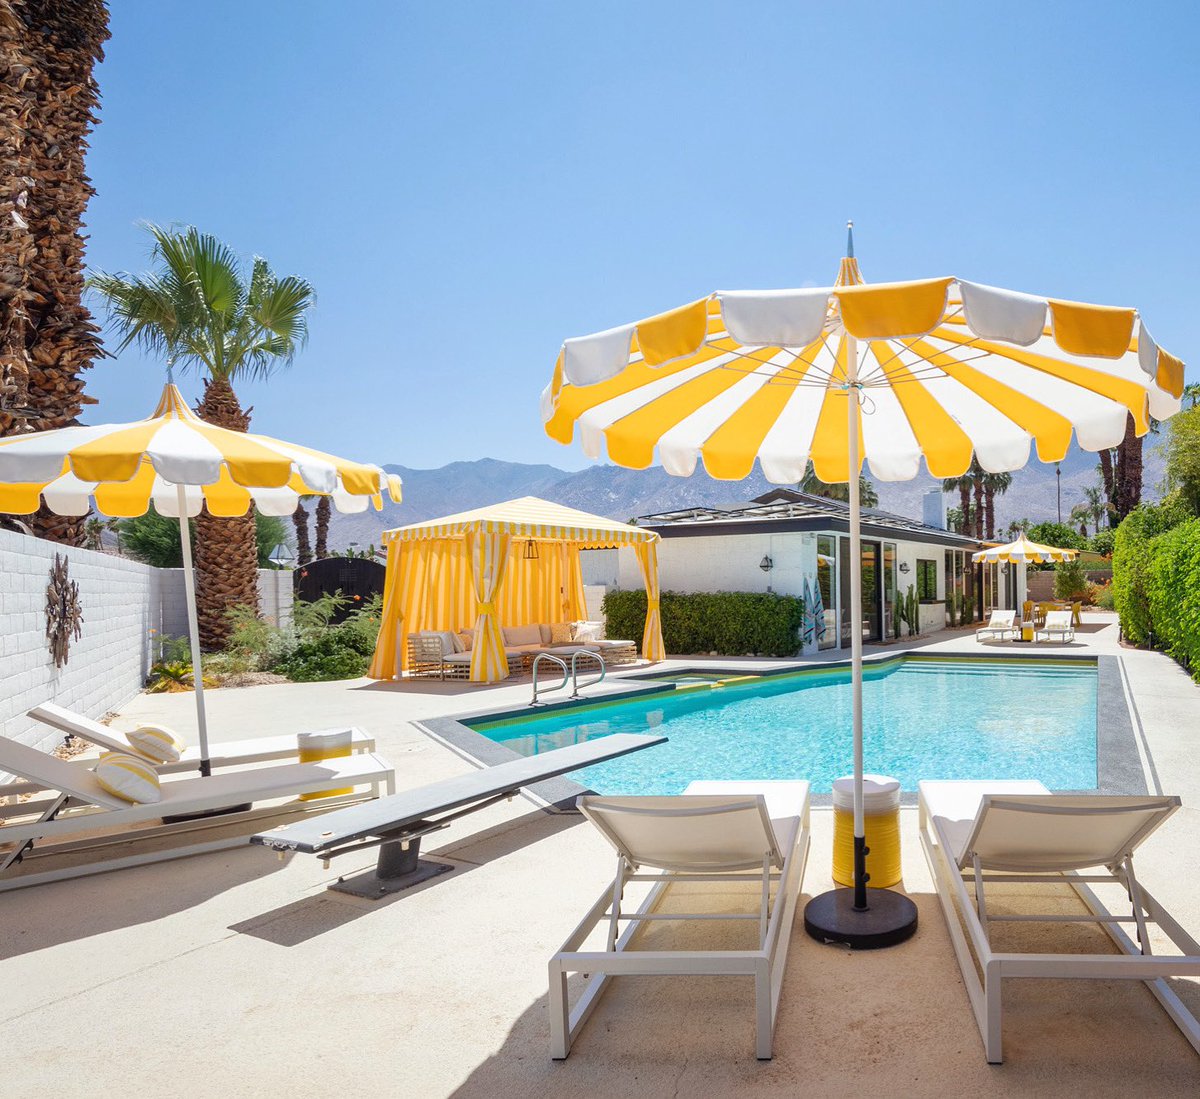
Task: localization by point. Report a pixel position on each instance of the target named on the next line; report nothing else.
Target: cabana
(510, 564)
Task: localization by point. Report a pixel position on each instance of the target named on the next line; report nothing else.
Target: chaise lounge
(721, 832)
(81, 813)
(1001, 624)
(980, 833)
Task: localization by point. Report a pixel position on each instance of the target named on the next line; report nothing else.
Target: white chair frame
(765, 964)
(1135, 962)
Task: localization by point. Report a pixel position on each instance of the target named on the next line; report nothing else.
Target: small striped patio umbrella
(899, 374)
(1022, 552)
(177, 462)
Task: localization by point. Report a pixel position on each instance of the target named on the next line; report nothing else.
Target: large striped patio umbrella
(1022, 552)
(177, 462)
(932, 371)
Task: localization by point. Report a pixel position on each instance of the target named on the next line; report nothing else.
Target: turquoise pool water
(923, 718)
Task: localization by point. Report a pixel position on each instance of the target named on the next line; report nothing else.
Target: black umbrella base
(889, 918)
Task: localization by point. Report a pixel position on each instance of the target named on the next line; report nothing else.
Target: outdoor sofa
(447, 654)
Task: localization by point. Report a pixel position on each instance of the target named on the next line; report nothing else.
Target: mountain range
(623, 493)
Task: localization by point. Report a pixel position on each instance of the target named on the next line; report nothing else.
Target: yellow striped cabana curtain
(488, 552)
(652, 639)
(526, 550)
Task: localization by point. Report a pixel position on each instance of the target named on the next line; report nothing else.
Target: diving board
(397, 823)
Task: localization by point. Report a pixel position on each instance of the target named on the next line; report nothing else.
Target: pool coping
(1119, 767)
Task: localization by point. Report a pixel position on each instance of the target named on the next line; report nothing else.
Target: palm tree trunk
(303, 544)
(989, 496)
(964, 500)
(323, 512)
(48, 49)
(979, 507)
(1108, 476)
(1129, 456)
(226, 549)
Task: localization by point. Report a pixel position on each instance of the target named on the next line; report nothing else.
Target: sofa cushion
(522, 635)
(588, 631)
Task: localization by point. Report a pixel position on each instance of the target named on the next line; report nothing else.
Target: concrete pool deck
(238, 974)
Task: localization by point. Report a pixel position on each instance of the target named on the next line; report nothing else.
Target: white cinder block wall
(122, 601)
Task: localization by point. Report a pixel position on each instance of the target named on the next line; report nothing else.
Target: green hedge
(732, 623)
(1174, 593)
(1132, 552)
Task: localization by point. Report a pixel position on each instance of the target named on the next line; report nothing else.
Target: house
(786, 539)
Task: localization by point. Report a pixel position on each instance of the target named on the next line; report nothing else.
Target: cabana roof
(528, 517)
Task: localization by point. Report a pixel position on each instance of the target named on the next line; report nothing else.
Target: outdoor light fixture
(281, 555)
(766, 564)
(904, 566)
(531, 551)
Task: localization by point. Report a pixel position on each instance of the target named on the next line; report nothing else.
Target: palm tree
(197, 309)
(304, 552)
(994, 484)
(814, 486)
(323, 514)
(1097, 506)
(1080, 514)
(962, 485)
(1015, 529)
(94, 533)
(47, 337)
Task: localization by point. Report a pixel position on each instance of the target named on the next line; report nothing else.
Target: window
(927, 581)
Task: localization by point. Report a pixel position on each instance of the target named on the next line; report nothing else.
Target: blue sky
(468, 184)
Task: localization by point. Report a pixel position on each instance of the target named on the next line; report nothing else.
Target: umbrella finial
(850, 240)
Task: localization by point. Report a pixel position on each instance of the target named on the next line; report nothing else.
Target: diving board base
(400, 867)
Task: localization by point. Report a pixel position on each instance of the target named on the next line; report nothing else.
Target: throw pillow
(128, 777)
(156, 742)
(560, 633)
(588, 631)
(465, 640)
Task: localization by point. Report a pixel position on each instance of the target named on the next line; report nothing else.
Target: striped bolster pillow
(156, 742)
(129, 777)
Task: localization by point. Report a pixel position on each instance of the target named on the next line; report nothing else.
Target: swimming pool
(923, 718)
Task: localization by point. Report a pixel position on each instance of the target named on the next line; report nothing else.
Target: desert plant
(1070, 580)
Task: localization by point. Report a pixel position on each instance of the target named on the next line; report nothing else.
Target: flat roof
(788, 510)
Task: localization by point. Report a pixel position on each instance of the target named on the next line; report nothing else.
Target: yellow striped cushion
(128, 777)
(156, 742)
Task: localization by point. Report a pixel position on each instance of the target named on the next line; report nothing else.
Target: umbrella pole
(856, 700)
(846, 915)
(189, 587)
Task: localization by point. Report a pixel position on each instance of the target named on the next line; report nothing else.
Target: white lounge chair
(82, 807)
(980, 832)
(228, 754)
(1000, 624)
(756, 832)
(1057, 623)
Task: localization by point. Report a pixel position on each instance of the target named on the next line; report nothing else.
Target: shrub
(1102, 541)
(1173, 572)
(1070, 580)
(730, 623)
(1056, 534)
(1131, 558)
(1103, 596)
(333, 655)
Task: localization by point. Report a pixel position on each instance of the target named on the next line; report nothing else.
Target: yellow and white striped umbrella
(124, 468)
(1023, 551)
(941, 370)
(944, 368)
(178, 462)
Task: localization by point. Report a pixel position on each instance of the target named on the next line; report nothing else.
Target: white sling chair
(756, 832)
(1022, 833)
(1001, 624)
(1057, 623)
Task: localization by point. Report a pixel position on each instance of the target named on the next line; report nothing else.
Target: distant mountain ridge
(625, 493)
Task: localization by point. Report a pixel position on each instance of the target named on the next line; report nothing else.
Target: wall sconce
(904, 566)
(531, 551)
(766, 564)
